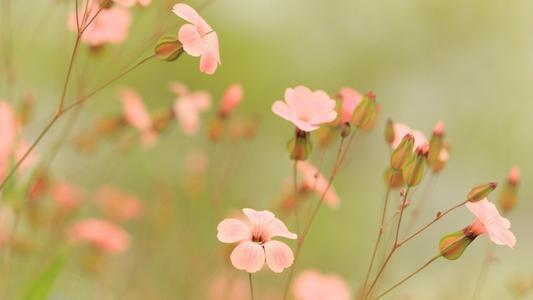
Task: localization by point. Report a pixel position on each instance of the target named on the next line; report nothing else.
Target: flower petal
(277, 228)
(232, 230)
(281, 109)
(278, 256)
(191, 40)
(186, 12)
(248, 256)
(500, 236)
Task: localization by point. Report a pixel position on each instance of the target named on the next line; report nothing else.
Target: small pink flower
(137, 115)
(103, 235)
(232, 97)
(67, 196)
(488, 220)
(118, 205)
(350, 99)
(130, 3)
(306, 109)
(312, 285)
(110, 26)
(255, 241)
(198, 38)
(188, 107)
(8, 133)
(314, 180)
(400, 130)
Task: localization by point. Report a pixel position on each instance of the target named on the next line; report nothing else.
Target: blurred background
(468, 64)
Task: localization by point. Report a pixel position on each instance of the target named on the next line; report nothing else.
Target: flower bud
(389, 131)
(436, 144)
(393, 178)
(403, 152)
(365, 112)
(168, 48)
(481, 192)
(345, 129)
(414, 170)
(300, 146)
(508, 196)
(453, 245)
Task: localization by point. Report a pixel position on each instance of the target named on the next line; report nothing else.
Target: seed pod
(453, 245)
(168, 48)
(403, 152)
(365, 112)
(481, 192)
(300, 146)
(415, 168)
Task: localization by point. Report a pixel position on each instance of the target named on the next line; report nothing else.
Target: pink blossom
(103, 235)
(66, 195)
(488, 220)
(110, 26)
(198, 38)
(130, 3)
(314, 180)
(306, 109)
(400, 130)
(188, 106)
(232, 97)
(255, 243)
(137, 115)
(350, 99)
(8, 132)
(118, 205)
(312, 285)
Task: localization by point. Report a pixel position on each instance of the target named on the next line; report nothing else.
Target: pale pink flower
(8, 133)
(255, 241)
(232, 97)
(130, 3)
(103, 235)
(314, 180)
(118, 205)
(350, 99)
(66, 195)
(110, 26)
(312, 285)
(198, 38)
(400, 130)
(188, 106)
(137, 115)
(488, 220)
(306, 109)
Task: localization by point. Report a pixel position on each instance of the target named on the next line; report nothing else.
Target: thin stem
(408, 277)
(295, 179)
(69, 70)
(251, 286)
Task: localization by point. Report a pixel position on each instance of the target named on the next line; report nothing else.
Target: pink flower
(188, 107)
(198, 38)
(103, 235)
(118, 205)
(136, 115)
(130, 3)
(8, 132)
(255, 241)
(305, 108)
(313, 180)
(488, 220)
(110, 26)
(514, 175)
(312, 285)
(232, 97)
(350, 99)
(66, 195)
(400, 130)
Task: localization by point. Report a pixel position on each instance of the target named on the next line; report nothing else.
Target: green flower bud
(481, 192)
(393, 178)
(168, 48)
(414, 170)
(435, 146)
(403, 152)
(453, 245)
(365, 112)
(300, 146)
(345, 129)
(389, 131)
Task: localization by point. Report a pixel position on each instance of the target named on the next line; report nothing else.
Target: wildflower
(188, 107)
(255, 241)
(232, 97)
(314, 180)
(198, 38)
(103, 235)
(118, 205)
(488, 220)
(312, 285)
(136, 115)
(306, 109)
(66, 195)
(350, 99)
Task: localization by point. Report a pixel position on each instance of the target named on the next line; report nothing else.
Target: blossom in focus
(255, 243)
(306, 109)
(314, 180)
(103, 235)
(488, 220)
(137, 115)
(312, 285)
(350, 99)
(198, 38)
(118, 205)
(188, 106)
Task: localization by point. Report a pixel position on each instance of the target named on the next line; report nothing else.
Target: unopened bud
(403, 152)
(393, 178)
(509, 194)
(453, 245)
(389, 131)
(345, 129)
(168, 48)
(481, 192)
(300, 146)
(365, 111)
(436, 144)
(415, 168)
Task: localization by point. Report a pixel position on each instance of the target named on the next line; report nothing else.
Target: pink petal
(232, 97)
(281, 109)
(248, 256)
(500, 236)
(277, 228)
(191, 40)
(278, 256)
(232, 230)
(186, 12)
(258, 217)
(210, 59)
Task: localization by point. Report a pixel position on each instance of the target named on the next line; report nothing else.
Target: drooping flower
(350, 99)
(110, 26)
(137, 115)
(232, 97)
(188, 106)
(255, 241)
(130, 3)
(315, 181)
(312, 285)
(66, 195)
(104, 235)
(117, 204)
(8, 132)
(198, 38)
(400, 130)
(488, 220)
(306, 109)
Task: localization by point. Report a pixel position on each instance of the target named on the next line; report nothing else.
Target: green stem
(251, 286)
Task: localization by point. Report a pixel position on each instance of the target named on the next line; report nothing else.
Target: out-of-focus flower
(488, 220)
(118, 205)
(8, 132)
(312, 285)
(350, 99)
(111, 25)
(130, 3)
(306, 109)
(104, 235)
(188, 106)
(67, 196)
(198, 38)
(509, 194)
(255, 241)
(232, 97)
(315, 181)
(400, 130)
(136, 115)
